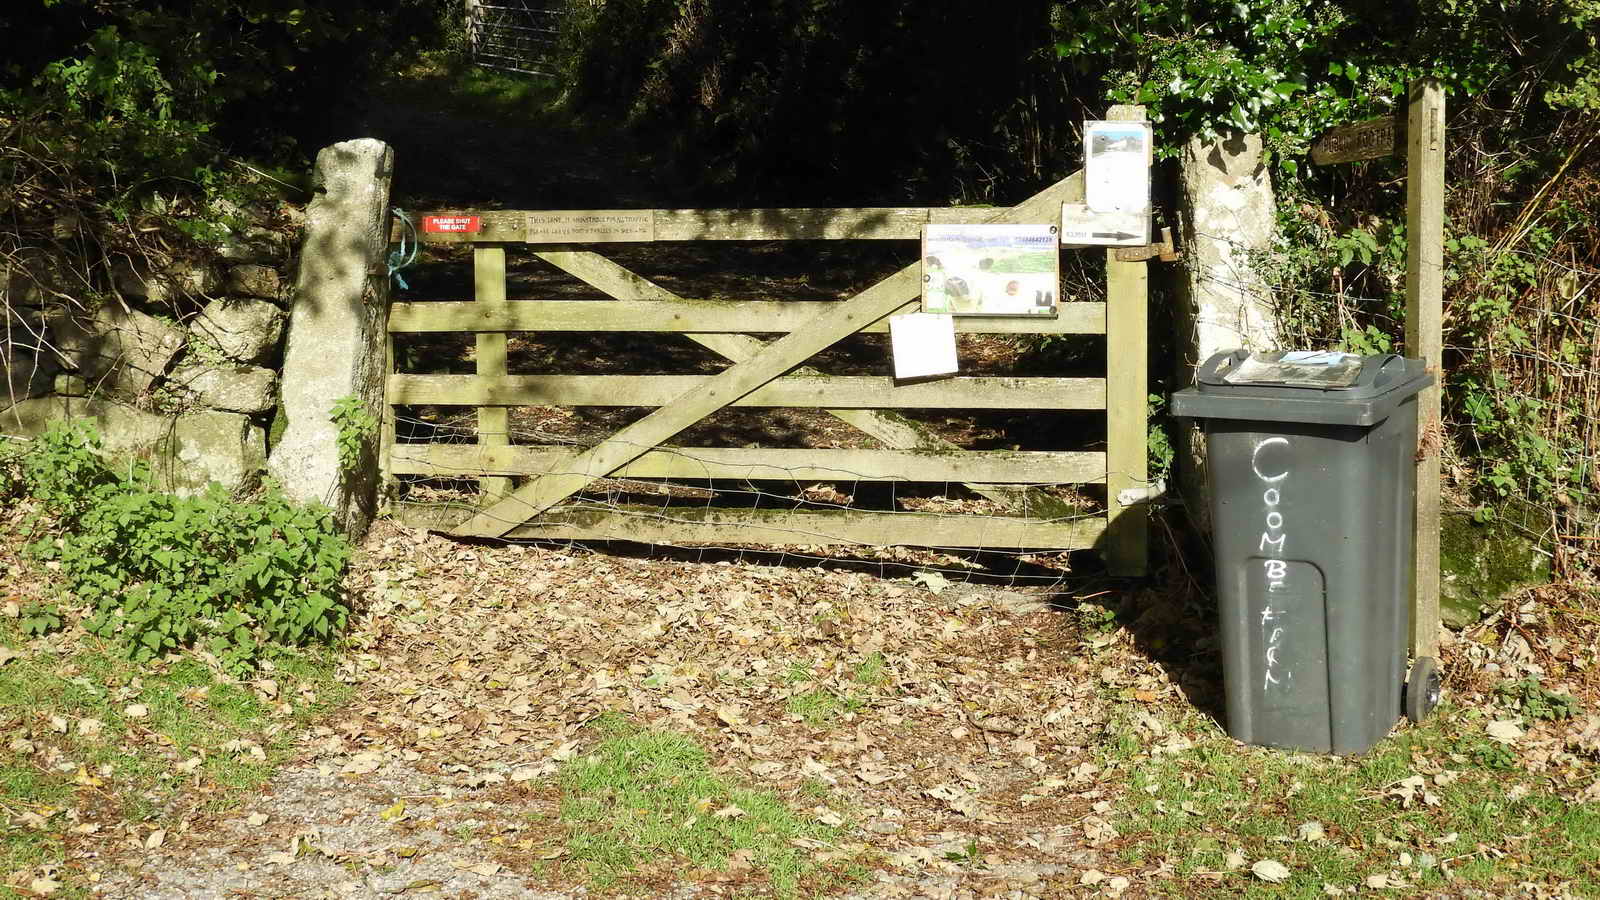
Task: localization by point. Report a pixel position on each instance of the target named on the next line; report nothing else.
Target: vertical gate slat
(489, 289)
(1127, 535)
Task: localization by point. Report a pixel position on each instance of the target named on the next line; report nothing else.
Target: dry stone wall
(177, 365)
(222, 369)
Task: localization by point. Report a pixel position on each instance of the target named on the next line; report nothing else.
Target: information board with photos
(991, 270)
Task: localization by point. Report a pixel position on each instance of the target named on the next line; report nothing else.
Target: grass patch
(452, 83)
(820, 706)
(92, 738)
(1342, 821)
(797, 673)
(823, 699)
(872, 671)
(645, 802)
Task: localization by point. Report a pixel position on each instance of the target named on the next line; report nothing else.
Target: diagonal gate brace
(711, 395)
(890, 428)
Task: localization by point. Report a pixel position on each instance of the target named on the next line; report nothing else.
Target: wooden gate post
(1424, 338)
(1127, 403)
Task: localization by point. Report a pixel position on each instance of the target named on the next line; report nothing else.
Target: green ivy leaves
(1202, 67)
(1291, 69)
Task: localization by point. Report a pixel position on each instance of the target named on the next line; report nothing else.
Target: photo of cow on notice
(990, 270)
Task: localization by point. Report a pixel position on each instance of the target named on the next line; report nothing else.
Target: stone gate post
(337, 340)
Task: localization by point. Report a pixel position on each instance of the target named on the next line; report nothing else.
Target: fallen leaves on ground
(1506, 731)
(928, 713)
(1270, 870)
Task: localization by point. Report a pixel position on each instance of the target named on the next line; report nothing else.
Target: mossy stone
(1481, 564)
(280, 421)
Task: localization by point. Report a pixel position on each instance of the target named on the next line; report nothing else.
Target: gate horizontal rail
(795, 391)
(701, 525)
(773, 464)
(652, 225)
(697, 316)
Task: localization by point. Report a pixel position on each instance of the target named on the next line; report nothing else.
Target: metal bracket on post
(1162, 250)
(1149, 493)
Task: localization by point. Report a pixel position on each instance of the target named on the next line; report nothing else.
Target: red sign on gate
(452, 224)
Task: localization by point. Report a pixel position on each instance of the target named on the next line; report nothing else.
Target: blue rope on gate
(404, 255)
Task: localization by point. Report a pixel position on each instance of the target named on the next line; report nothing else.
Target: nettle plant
(162, 572)
(355, 426)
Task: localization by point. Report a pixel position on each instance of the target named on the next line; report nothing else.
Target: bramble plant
(162, 572)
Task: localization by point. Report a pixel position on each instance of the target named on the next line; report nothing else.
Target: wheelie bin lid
(1315, 387)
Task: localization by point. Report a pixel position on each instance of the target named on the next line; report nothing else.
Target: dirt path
(508, 156)
(949, 735)
(961, 762)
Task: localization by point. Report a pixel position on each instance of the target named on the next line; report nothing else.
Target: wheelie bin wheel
(1423, 689)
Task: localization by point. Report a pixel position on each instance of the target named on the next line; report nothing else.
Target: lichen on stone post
(1228, 212)
(337, 334)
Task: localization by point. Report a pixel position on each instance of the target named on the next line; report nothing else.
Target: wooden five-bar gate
(528, 491)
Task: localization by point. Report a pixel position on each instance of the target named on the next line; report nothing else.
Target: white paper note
(923, 344)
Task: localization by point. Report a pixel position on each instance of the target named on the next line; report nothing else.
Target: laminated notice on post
(923, 344)
(1116, 166)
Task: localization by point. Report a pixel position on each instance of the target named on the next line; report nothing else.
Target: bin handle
(1392, 367)
(1211, 370)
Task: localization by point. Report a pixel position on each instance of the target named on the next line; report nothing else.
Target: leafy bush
(113, 108)
(1293, 68)
(38, 619)
(61, 470)
(1158, 442)
(163, 572)
(241, 72)
(126, 114)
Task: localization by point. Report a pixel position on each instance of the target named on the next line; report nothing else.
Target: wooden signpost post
(1418, 135)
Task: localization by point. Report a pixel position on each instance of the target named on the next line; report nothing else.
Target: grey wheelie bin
(1311, 458)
